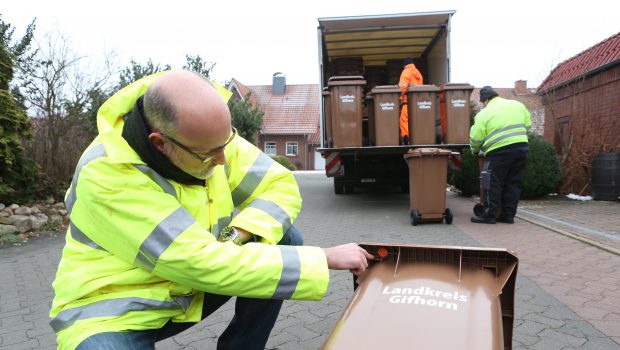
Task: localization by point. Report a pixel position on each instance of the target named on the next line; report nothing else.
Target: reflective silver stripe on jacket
(94, 153)
(510, 127)
(162, 236)
(252, 179)
(79, 236)
(503, 137)
(274, 210)
(291, 271)
(115, 307)
(160, 180)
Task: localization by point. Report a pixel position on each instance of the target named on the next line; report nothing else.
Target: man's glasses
(208, 155)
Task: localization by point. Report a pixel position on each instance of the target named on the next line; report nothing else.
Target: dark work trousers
(249, 328)
(503, 182)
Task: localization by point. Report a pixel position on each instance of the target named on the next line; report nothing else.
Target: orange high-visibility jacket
(410, 76)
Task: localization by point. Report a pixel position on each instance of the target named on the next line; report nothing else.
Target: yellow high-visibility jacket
(501, 123)
(141, 249)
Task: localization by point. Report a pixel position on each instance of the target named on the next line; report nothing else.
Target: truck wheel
(447, 215)
(338, 188)
(479, 209)
(415, 217)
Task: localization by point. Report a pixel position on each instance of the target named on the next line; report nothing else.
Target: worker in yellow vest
(409, 76)
(500, 133)
(153, 246)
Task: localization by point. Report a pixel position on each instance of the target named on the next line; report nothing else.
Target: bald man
(153, 246)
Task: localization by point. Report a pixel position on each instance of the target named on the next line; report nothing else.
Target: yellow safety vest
(141, 249)
(501, 123)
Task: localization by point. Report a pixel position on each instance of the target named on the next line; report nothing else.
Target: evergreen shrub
(285, 162)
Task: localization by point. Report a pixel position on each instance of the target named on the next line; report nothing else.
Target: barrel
(606, 176)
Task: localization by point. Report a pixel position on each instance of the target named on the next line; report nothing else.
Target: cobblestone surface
(567, 294)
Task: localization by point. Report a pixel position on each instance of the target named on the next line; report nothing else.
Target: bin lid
(427, 152)
(440, 297)
(326, 92)
(346, 80)
(385, 89)
(456, 86)
(423, 88)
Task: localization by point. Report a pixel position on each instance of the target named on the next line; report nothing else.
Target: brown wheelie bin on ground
(455, 113)
(346, 110)
(386, 114)
(428, 176)
(328, 116)
(430, 297)
(423, 114)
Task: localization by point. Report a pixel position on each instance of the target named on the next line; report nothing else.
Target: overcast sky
(493, 42)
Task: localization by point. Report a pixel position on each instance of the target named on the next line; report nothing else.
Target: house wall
(582, 119)
(303, 161)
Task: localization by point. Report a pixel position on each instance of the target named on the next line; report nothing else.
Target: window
(291, 148)
(270, 148)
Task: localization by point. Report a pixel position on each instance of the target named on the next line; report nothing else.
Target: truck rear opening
(360, 62)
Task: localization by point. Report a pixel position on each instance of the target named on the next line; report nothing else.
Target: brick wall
(582, 119)
(303, 161)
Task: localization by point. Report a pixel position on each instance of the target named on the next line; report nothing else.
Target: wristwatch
(230, 233)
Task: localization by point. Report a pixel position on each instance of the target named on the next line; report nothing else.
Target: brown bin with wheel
(386, 114)
(455, 112)
(346, 110)
(423, 114)
(428, 176)
(430, 297)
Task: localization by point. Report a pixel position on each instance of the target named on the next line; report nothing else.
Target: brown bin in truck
(370, 108)
(346, 107)
(428, 176)
(430, 297)
(328, 116)
(386, 114)
(423, 114)
(455, 113)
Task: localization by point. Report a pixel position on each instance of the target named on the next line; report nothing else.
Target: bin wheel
(415, 217)
(447, 215)
(479, 209)
(338, 188)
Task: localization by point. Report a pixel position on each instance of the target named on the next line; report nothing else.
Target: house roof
(532, 101)
(604, 53)
(237, 87)
(295, 112)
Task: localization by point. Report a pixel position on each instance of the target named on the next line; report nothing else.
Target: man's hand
(347, 257)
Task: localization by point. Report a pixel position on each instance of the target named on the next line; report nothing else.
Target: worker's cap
(487, 93)
(407, 61)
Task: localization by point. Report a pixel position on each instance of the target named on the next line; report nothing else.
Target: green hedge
(542, 172)
(285, 162)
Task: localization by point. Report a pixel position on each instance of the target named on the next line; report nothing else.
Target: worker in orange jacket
(410, 76)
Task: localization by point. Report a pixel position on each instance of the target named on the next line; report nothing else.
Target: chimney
(279, 83)
(521, 87)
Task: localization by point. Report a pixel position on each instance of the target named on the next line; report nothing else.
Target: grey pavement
(567, 295)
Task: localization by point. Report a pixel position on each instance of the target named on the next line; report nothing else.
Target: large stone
(35, 210)
(8, 229)
(2, 206)
(38, 221)
(4, 214)
(59, 206)
(8, 210)
(14, 206)
(55, 220)
(22, 211)
(22, 222)
(4, 220)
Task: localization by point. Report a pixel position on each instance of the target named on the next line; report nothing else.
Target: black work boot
(483, 219)
(506, 220)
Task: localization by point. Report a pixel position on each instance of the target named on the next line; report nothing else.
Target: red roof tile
(242, 90)
(599, 55)
(295, 112)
